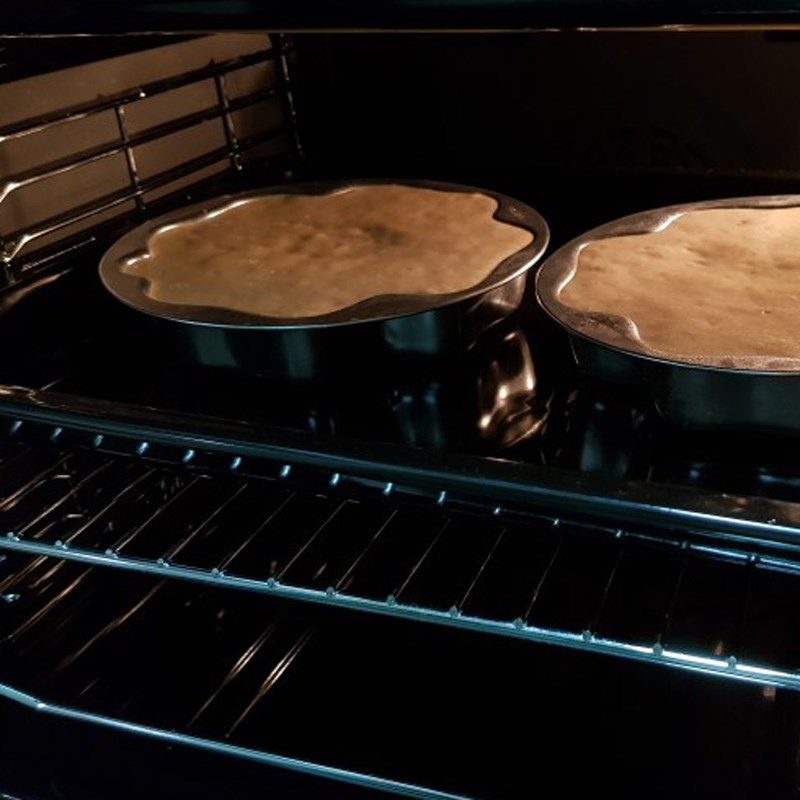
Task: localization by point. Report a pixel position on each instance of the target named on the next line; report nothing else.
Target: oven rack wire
(374, 783)
(664, 597)
(43, 589)
(19, 254)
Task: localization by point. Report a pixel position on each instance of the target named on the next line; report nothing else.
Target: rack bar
(392, 599)
(741, 624)
(20, 239)
(594, 623)
(175, 549)
(129, 141)
(130, 159)
(63, 499)
(729, 519)
(311, 768)
(231, 557)
(131, 535)
(473, 583)
(669, 613)
(227, 121)
(32, 483)
(585, 641)
(311, 539)
(282, 49)
(15, 245)
(342, 582)
(87, 109)
(543, 577)
(137, 482)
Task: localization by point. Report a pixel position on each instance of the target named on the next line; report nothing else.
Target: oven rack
(372, 783)
(141, 193)
(43, 591)
(711, 606)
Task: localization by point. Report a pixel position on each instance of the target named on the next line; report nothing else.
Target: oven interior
(422, 578)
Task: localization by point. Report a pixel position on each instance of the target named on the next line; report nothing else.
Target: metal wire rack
(19, 249)
(664, 598)
(215, 707)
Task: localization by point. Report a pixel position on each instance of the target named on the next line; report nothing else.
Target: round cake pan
(306, 348)
(717, 392)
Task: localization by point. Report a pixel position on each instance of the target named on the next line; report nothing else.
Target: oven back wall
(506, 108)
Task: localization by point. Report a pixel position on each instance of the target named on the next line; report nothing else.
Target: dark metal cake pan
(718, 392)
(311, 347)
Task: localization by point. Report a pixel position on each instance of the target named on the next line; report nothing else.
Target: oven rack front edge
(488, 483)
(373, 783)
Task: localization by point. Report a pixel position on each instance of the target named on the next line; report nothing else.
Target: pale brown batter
(304, 255)
(713, 282)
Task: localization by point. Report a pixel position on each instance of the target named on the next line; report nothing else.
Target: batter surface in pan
(306, 255)
(721, 282)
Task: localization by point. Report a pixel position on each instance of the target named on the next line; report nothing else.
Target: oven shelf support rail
(372, 782)
(657, 653)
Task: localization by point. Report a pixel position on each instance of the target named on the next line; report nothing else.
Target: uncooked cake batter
(719, 282)
(305, 255)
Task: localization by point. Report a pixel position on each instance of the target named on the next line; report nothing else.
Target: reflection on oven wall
(692, 101)
(26, 205)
